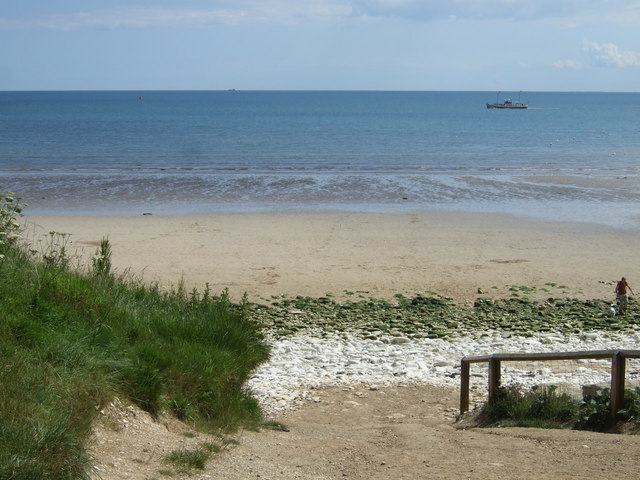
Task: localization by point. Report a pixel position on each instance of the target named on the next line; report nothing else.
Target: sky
(451, 45)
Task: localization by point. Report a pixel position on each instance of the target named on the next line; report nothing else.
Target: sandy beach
(456, 255)
(357, 431)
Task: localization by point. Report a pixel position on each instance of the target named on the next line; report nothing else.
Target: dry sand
(402, 432)
(377, 255)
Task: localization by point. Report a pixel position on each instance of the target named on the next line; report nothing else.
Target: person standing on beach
(621, 294)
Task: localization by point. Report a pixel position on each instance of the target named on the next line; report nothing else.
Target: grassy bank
(70, 342)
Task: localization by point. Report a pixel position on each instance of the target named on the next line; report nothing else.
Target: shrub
(595, 411)
(101, 261)
(543, 407)
(631, 410)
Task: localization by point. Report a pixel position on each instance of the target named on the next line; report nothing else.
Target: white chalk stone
(302, 362)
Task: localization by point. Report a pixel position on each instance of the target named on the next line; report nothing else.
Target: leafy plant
(595, 411)
(631, 410)
(101, 261)
(53, 249)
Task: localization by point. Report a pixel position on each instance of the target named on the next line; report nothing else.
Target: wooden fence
(618, 360)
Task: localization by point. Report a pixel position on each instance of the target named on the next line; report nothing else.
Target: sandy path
(405, 432)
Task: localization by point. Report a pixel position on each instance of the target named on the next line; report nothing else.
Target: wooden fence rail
(618, 360)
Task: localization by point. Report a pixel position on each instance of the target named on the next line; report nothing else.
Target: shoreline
(451, 254)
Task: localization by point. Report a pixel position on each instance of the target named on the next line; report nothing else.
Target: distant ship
(508, 104)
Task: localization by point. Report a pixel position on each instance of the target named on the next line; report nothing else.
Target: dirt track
(387, 433)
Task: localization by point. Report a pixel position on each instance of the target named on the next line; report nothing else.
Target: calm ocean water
(570, 156)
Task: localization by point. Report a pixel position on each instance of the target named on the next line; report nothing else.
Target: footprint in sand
(268, 275)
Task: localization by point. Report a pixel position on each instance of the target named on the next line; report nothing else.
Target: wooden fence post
(464, 386)
(494, 378)
(618, 359)
(617, 384)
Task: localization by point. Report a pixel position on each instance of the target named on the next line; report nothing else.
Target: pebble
(301, 363)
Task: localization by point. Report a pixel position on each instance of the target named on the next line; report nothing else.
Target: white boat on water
(508, 104)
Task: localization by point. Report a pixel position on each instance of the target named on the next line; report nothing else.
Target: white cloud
(567, 12)
(609, 55)
(568, 64)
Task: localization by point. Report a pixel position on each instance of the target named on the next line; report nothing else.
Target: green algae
(439, 317)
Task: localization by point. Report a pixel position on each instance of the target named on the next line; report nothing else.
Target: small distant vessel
(508, 104)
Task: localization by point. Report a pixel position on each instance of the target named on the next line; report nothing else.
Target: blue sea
(568, 157)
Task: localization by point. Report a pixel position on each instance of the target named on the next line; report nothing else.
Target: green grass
(541, 408)
(546, 408)
(70, 342)
(185, 460)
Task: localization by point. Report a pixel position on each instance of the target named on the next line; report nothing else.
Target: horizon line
(233, 90)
